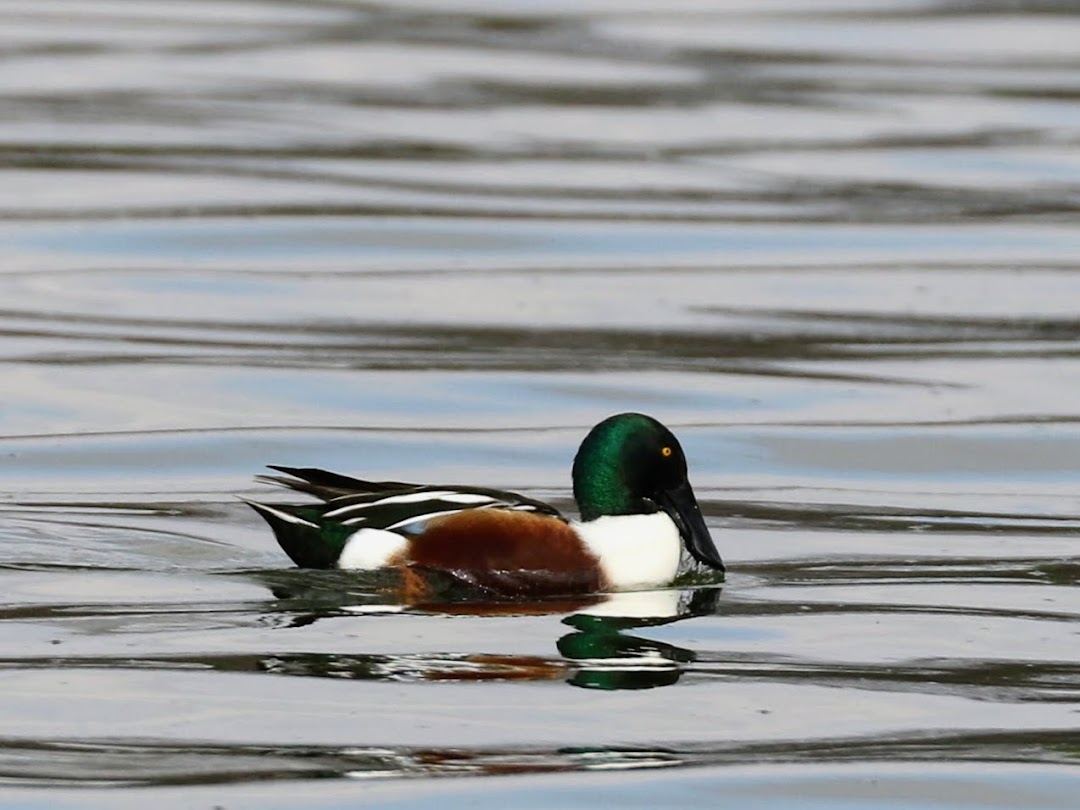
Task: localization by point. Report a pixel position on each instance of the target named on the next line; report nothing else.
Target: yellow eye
(665, 451)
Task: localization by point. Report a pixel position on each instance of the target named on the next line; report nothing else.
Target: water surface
(832, 244)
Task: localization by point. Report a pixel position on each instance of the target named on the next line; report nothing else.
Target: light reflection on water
(380, 244)
(832, 244)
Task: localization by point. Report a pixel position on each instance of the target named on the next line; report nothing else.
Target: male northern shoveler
(630, 483)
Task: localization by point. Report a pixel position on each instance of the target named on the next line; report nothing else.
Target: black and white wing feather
(394, 505)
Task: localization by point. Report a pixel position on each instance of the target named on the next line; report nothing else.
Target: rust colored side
(511, 553)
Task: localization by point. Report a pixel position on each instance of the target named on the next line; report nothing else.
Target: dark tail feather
(298, 537)
(327, 485)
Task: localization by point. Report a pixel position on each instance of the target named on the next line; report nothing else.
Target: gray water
(832, 244)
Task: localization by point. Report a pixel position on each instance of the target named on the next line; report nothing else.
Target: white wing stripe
(420, 518)
(299, 521)
(413, 497)
(468, 497)
(430, 515)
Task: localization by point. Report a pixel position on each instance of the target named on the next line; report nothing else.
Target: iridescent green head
(630, 464)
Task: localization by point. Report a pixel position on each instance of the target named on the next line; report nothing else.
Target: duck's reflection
(598, 653)
(607, 657)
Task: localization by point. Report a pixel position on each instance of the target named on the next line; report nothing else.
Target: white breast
(635, 551)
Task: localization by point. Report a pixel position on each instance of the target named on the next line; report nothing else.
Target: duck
(637, 515)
